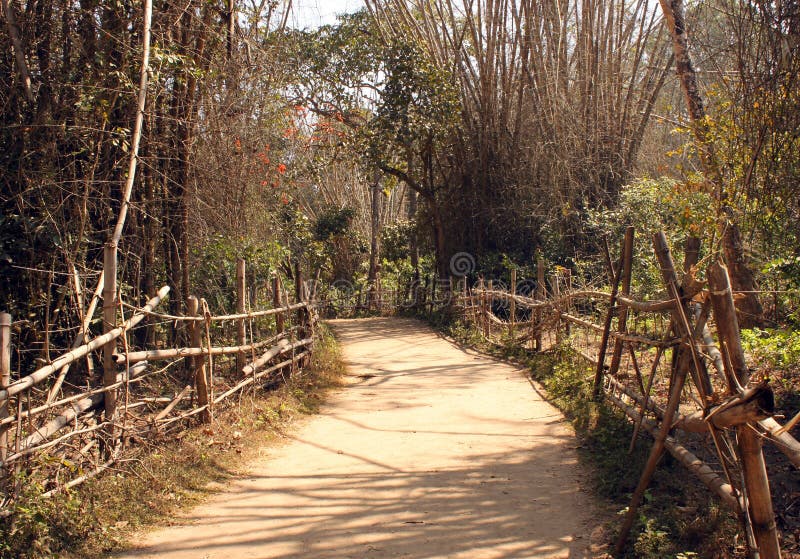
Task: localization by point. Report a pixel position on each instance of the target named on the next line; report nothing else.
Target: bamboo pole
(71, 356)
(77, 408)
(281, 308)
(174, 402)
(513, 304)
(109, 324)
(276, 302)
(302, 316)
(756, 480)
(281, 347)
(240, 309)
(616, 280)
(694, 464)
(198, 362)
(540, 295)
(557, 296)
(31, 412)
(489, 310)
(622, 318)
(80, 339)
(137, 127)
(256, 376)
(676, 388)
(178, 352)
(5, 380)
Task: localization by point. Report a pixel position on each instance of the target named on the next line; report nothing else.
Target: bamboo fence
(68, 424)
(674, 366)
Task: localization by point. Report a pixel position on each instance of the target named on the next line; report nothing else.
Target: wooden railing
(83, 422)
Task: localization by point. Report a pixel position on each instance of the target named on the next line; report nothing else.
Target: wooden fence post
(670, 279)
(756, 481)
(540, 295)
(513, 304)
(5, 380)
(464, 298)
(556, 287)
(615, 281)
(622, 318)
(199, 361)
(109, 323)
(489, 302)
(241, 332)
(299, 295)
(276, 303)
(484, 310)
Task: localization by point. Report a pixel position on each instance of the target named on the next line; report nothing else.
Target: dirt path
(431, 452)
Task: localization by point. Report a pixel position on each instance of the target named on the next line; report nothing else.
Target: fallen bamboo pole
(92, 402)
(30, 412)
(175, 401)
(702, 470)
(225, 317)
(179, 352)
(251, 379)
(40, 374)
(282, 347)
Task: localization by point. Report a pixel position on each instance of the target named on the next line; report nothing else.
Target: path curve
(430, 452)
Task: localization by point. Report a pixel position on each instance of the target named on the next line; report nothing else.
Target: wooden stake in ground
(5, 380)
(199, 361)
(759, 500)
(676, 388)
(540, 294)
(240, 308)
(513, 304)
(622, 318)
(109, 323)
(276, 303)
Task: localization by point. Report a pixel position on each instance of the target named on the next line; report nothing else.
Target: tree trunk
(749, 308)
(413, 241)
(374, 231)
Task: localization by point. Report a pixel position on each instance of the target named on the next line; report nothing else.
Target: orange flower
(281, 168)
(284, 199)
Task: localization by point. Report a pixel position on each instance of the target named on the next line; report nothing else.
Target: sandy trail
(430, 452)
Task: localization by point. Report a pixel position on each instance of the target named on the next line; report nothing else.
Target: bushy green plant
(680, 209)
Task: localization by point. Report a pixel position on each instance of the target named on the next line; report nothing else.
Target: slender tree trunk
(742, 278)
(374, 231)
(414, 237)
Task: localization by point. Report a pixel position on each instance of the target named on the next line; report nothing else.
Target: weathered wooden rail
(84, 422)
